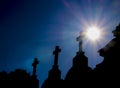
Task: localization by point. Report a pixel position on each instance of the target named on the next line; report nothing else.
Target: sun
(93, 33)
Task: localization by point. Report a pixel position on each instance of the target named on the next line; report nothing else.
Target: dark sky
(32, 28)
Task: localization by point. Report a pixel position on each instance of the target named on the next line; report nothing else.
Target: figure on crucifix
(34, 64)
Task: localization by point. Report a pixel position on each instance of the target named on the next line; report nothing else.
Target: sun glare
(93, 33)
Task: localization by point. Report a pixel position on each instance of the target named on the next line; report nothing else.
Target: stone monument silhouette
(79, 73)
(34, 64)
(108, 71)
(80, 40)
(34, 80)
(54, 78)
(19, 78)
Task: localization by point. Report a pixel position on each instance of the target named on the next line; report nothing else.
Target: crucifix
(56, 52)
(34, 64)
(79, 39)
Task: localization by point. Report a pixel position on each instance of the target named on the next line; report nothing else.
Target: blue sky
(32, 28)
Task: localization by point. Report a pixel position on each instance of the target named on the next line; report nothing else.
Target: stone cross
(79, 39)
(56, 52)
(34, 64)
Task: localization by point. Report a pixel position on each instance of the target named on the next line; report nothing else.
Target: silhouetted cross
(57, 50)
(34, 64)
(79, 39)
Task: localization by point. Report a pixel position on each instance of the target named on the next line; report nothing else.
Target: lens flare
(93, 33)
